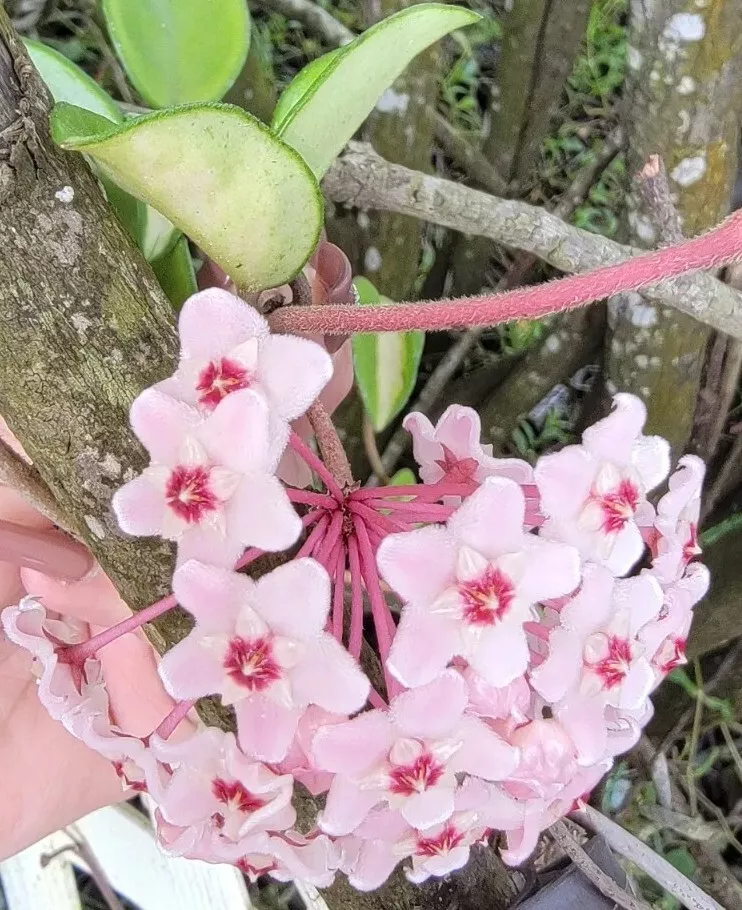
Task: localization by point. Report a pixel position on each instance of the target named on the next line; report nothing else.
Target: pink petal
(139, 507)
(584, 721)
(214, 321)
(612, 438)
(210, 545)
(491, 519)
(561, 669)
(426, 449)
(432, 710)
(211, 594)
(431, 807)
(650, 457)
(374, 864)
(161, 424)
(346, 807)
(483, 753)
(641, 597)
(292, 371)
(422, 647)
(354, 747)
(626, 551)
(636, 686)
(550, 570)
(592, 606)
(501, 654)
(276, 598)
(237, 433)
(460, 429)
(265, 729)
(260, 514)
(190, 670)
(329, 677)
(564, 481)
(419, 564)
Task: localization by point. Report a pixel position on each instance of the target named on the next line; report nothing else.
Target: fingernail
(50, 552)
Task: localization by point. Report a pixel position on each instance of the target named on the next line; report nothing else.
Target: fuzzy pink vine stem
(78, 654)
(169, 723)
(316, 465)
(330, 446)
(379, 607)
(711, 250)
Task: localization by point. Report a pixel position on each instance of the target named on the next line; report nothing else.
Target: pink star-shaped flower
(261, 646)
(210, 485)
(594, 494)
(675, 541)
(452, 449)
(471, 586)
(226, 345)
(408, 757)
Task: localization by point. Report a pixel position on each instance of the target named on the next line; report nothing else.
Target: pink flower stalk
(594, 494)
(210, 485)
(451, 450)
(470, 587)
(261, 647)
(408, 757)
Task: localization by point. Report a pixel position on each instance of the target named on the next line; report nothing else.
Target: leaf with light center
(331, 101)
(385, 364)
(248, 200)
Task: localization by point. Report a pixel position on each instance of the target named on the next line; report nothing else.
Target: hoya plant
(358, 679)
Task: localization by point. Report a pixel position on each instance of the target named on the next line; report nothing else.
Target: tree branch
(362, 179)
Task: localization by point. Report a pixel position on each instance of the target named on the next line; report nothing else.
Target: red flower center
(233, 795)
(250, 663)
(420, 775)
(612, 668)
(670, 655)
(126, 771)
(618, 506)
(487, 598)
(218, 379)
(444, 842)
(189, 494)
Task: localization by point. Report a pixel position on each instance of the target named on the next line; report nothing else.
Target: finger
(92, 599)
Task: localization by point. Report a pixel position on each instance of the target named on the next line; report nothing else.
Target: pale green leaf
(175, 272)
(159, 235)
(332, 102)
(302, 84)
(404, 477)
(67, 82)
(179, 51)
(385, 364)
(219, 175)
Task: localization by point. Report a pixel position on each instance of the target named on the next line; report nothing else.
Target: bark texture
(541, 40)
(683, 103)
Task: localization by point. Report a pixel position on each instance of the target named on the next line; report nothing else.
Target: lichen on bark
(682, 102)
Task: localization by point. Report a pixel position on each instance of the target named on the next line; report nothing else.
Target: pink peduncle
(169, 723)
(78, 654)
(355, 638)
(338, 595)
(316, 465)
(717, 247)
(315, 538)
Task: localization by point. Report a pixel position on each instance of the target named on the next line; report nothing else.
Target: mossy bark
(541, 41)
(683, 98)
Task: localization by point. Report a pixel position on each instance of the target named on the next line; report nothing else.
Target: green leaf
(404, 477)
(219, 175)
(332, 102)
(67, 82)
(176, 274)
(159, 235)
(385, 364)
(179, 51)
(300, 85)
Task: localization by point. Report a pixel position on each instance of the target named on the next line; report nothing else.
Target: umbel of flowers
(515, 640)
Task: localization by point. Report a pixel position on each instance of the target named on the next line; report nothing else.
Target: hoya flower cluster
(439, 662)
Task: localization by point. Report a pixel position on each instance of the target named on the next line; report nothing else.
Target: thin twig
(561, 834)
(573, 197)
(26, 480)
(655, 866)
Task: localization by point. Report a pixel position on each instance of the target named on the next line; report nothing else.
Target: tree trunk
(542, 39)
(683, 95)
